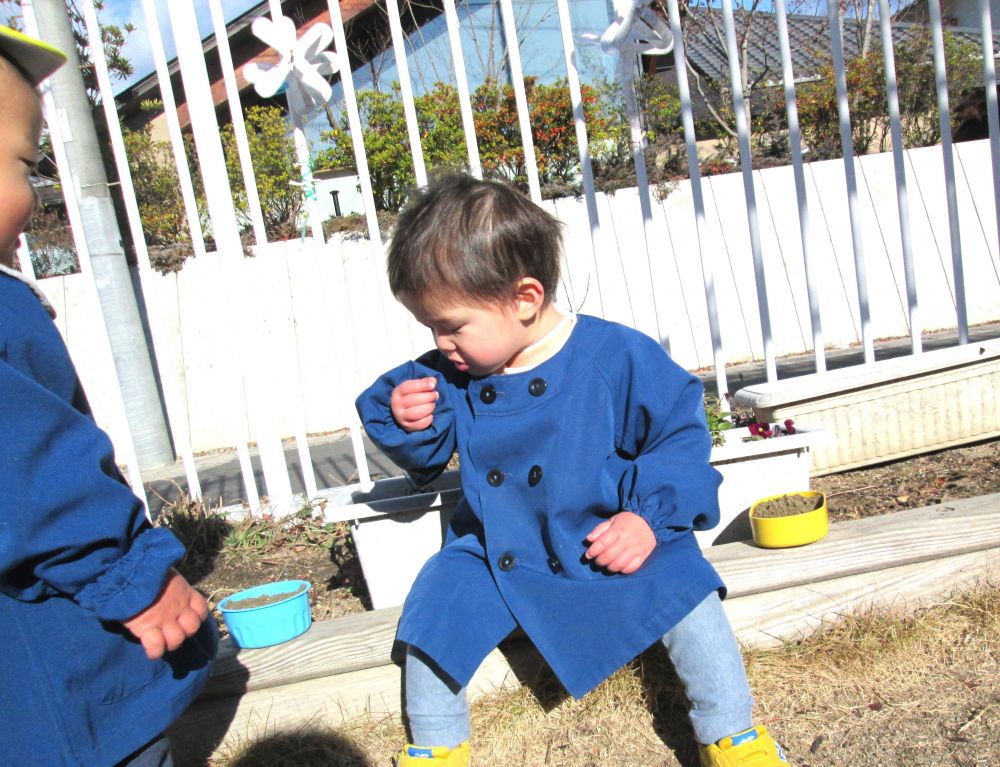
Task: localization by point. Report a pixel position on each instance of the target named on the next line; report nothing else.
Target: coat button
(537, 387)
(506, 561)
(534, 475)
(488, 394)
(495, 477)
(555, 565)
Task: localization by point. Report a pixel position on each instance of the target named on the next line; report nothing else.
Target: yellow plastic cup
(792, 530)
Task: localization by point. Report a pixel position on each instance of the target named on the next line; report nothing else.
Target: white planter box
(754, 470)
(892, 408)
(396, 527)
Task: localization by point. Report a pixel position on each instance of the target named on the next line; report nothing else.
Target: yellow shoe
(436, 756)
(750, 748)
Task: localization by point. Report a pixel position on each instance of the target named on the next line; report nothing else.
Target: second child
(584, 462)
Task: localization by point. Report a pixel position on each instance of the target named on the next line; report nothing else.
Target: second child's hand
(622, 543)
(176, 614)
(413, 402)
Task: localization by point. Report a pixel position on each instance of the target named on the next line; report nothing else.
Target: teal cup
(267, 615)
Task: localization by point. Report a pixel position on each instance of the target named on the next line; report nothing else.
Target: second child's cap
(36, 59)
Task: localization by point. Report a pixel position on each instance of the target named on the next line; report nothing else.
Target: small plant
(719, 420)
(763, 430)
(265, 534)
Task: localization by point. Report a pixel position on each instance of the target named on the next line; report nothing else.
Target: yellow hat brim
(37, 59)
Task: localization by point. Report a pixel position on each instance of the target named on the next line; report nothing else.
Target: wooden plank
(211, 726)
(759, 620)
(863, 545)
(786, 615)
(342, 668)
(343, 645)
(873, 544)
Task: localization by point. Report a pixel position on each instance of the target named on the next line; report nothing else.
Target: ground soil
(249, 603)
(787, 506)
(338, 583)
(870, 692)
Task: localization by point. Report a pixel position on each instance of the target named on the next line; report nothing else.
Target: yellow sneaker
(436, 756)
(750, 748)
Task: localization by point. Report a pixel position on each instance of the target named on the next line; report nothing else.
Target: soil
(787, 506)
(338, 582)
(263, 600)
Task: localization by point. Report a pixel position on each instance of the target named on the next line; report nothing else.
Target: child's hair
(461, 237)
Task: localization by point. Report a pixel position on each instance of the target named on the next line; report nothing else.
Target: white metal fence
(826, 253)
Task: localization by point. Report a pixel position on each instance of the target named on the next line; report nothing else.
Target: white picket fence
(322, 326)
(746, 265)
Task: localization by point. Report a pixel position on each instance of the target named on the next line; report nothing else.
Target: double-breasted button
(537, 387)
(555, 565)
(488, 394)
(506, 561)
(534, 475)
(495, 477)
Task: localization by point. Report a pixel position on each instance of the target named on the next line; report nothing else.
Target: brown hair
(460, 236)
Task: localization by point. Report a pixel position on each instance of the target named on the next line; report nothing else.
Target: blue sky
(589, 14)
(137, 48)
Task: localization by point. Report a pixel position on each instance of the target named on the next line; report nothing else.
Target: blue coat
(609, 423)
(76, 557)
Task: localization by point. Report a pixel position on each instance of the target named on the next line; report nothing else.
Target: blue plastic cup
(268, 624)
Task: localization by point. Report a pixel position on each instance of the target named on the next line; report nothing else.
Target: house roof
(808, 37)
(245, 48)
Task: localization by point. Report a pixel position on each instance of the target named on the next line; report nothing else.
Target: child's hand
(175, 615)
(621, 544)
(413, 403)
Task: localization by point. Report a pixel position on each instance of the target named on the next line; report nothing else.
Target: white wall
(966, 12)
(321, 323)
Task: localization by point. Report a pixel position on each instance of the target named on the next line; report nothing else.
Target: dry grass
(877, 689)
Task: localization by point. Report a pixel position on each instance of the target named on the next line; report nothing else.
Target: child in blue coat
(104, 643)
(584, 461)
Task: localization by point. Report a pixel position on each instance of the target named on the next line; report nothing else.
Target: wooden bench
(343, 668)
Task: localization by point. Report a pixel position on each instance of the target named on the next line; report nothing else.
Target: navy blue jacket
(609, 423)
(77, 556)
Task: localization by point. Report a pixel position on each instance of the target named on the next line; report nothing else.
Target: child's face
(480, 339)
(20, 131)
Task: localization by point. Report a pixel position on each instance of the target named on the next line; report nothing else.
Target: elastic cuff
(131, 584)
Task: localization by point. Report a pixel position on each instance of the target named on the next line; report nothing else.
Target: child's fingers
(174, 635)
(417, 385)
(421, 424)
(597, 531)
(634, 564)
(611, 553)
(414, 415)
(200, 606)
(413, 403)
(419, 399)
(606, 548)
(189, 621)
(154, 643)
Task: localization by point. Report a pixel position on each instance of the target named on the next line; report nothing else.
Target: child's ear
(530, 297)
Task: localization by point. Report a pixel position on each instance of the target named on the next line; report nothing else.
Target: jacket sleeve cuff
(423, 454)
(135, 580)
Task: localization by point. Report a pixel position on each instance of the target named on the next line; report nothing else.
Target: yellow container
(793, 529)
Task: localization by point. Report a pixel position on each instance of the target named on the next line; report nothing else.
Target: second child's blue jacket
(77, 557)
(609, 423)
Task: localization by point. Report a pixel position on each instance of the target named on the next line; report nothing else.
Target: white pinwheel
(637, 29)
(304, 64)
